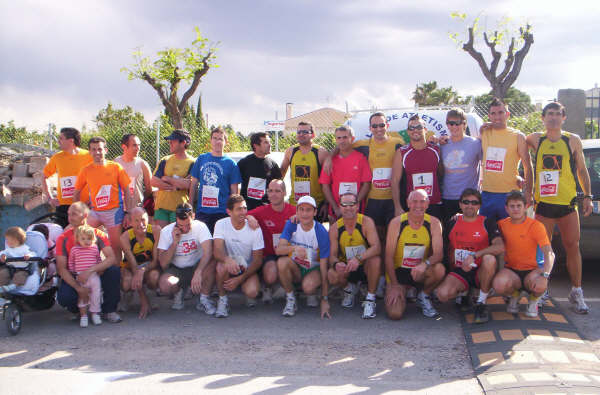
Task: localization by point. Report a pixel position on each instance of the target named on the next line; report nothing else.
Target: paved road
(252, 351)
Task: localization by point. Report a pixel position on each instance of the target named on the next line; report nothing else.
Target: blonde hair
(16, 233)
(85, 231)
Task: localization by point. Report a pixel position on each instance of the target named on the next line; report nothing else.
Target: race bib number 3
(256, 188)
(103, 196)
(549, 183)
(382, 178)
(412, 255)
(210, 196)
(423, 181)
(67, 186)
(494, 159)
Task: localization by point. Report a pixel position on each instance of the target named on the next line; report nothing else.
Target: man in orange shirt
(523, 236)
(107, 182)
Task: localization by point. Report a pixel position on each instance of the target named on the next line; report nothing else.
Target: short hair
(496, 102)
(219, 129)
(126, 137)
(349, 194)
(16, 233)
(184, 210)
(304, 123)
(96, 140)
(85, 231)
(471, 192)
(233, 200)
(554, 106)
(345, 128)
(456, 113)
(255, 139)
(43, 229)
(415, 117)
(516, 195)
(81, 206)
(376, 114)
(72, 133)
(279, 182)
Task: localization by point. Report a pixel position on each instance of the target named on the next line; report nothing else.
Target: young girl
(82, 256)
(15, 248)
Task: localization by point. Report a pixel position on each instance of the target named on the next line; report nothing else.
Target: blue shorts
(493, 205)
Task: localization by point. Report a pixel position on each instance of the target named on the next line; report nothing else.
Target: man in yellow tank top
(503, 149)
(559, 159)
(355, 254)
(305, 160)
(413, 256)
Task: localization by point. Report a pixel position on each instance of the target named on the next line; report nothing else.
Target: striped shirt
(82, 258)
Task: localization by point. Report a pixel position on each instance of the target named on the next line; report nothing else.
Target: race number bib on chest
(412, 255)
(67, 186)
(461, 255)
(352, 251)
(549, 183)
(304, 261)
(257, 188)
(423, 181)
(210, 196)
(301, 188)
(494, 159)
(348, 187)
(103, 196)
(187, 247)
(382, 178)
(276, 239)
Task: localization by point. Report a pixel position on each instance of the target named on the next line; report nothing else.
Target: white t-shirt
(189, 249)
(239, 243)
(136, 175)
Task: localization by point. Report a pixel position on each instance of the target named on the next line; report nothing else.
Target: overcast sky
(61, 60)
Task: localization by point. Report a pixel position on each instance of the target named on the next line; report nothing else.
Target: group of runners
(428, 218)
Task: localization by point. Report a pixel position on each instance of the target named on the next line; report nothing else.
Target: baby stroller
(39, 291)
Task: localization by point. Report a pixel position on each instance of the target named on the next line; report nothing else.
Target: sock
(290, 295)
(532, 298)
(482, 297)
(223, 298)
(370, 297)
(203, 296)
(576, 289)
(516, 294)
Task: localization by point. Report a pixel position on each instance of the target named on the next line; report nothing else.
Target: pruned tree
(429, 94)
(500, 41)
(173, 66)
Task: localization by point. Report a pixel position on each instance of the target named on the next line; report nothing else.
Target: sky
(61, 61)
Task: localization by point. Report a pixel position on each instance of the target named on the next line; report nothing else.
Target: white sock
(576, 289)
(370, 297)
(482, 297)
(290, 295)
(203, 296)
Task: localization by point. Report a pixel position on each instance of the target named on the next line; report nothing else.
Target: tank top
(555, 171)
(500, 160)
(421, 170)
(381, 156)
(466, 238)
(142, 252)
(135, 173)
(353, 244)
(413, 244)
(305, 171)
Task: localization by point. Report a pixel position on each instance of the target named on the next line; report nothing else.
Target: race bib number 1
(423, 181)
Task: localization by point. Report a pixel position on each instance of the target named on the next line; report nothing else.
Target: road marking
(347, 359)
(567, 299)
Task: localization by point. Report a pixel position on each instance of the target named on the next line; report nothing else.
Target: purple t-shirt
(461, 166)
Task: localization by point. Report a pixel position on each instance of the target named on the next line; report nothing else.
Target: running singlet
(106, 183)
(521, 242)
(305, 170)
(381, 156)
(142, 252)
(272, 222)
(67, 166)
(353, 244)
(500, 165)
(347, 174)
(421, 170)
(466, 238)
(177, 168)
(135, 172)
(555, 171)
(413, 244)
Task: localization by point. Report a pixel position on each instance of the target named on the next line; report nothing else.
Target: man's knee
(152, 279)
(283, 264)
(502, 284)
(444, 293)
(270, 272)
(310, 283)
(488, 264)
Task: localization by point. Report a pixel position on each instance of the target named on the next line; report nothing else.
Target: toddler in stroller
(18, 277)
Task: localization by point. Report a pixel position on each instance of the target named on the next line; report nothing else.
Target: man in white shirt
(137, 169)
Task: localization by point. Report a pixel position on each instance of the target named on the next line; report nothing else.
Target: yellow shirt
(413, 245)
(555, 171)
(173, 167)
(67, 166)
(500, 160)
(305, 170)
(353, 244)
(381, 156)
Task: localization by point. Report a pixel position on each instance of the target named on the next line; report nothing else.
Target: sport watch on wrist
(546, 274)
(325, 298)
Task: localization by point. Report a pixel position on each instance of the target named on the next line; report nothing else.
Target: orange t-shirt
(106, 184)
(521, 242)
(67, 166)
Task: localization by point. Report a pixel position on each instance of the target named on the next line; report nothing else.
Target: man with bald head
(413, 256)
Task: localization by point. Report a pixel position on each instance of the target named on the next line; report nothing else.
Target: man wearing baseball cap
(172, 177)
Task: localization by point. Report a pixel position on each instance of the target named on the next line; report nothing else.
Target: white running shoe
(206, 304)
(349, 295)
(312, 301)
(250, 302)
(424, 302)
(178, 300)
(267, 295)
(290, 307)
(576, 298)
(368, 309)
(532, 308)
(83, 321)
(513, 303)
(113, 318)
(222, 308)
(96, 320)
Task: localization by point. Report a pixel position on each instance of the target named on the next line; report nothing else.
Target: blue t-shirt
(215, 175)
(315, 241)
(461, 166)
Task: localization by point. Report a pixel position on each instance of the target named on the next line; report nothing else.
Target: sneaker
(267, 295)
(349, 295)
(222, 309)
(576, 298)
(542, 299)
(464, 303)
(482, 313)
(250, 302)
(424, 302)
(532, 308)
(368, 309)
(312, 300)
(380, 292)
(4, 289)
(188, 294)
(411, 295)
(290, 307)
(83, 321)
(513, 303)
(178, 300)
(113, 317)
(205, 304)
(96, 320)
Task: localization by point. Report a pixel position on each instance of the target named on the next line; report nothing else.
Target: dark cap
(183, 211)
(179, 134)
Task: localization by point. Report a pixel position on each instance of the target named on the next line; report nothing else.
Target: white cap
(308, 200)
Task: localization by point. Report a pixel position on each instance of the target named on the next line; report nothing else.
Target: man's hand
(300, 252)
(323, 211)
(137, 280)
(232, 266)
(418, 272)
(393, 294)
(528, 198)
(588, 207)
(337, 211)
(232, 283)
(144, 307)
(252, 222)
(466, 265)
(325, 309)
(26, 257)
(3, 258)
(485, 126)
(83, 277)
(196, 283)
(340, 267)
(352, 265)
(176, 233)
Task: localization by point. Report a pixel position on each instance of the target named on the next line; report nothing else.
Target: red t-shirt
(272, 223)
(420, 170)
(66, 241)
(347, 174)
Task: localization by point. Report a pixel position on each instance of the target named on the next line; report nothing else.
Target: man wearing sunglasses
(185, 257)
(354, 254)
(421, 165)
(305, 160)
(472, 243)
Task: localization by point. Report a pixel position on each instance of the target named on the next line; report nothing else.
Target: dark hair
(415, 117)
(184, 211)
(345, 128)
(219, 129)
(255, 139)
(16, 233)
(304, 123)
(456, 113)
(496, 102)
(377, 114)
(96, 140)
(126, 137)
(233, 200)
(471, 192)
(554, 106)
(43, 229)
(72, 133)
(516, 195)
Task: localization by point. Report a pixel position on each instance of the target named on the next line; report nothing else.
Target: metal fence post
(50, 136)
(157, 143)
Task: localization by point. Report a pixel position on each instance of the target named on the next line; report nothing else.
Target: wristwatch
(359, 257)
(325, 298)
(546, 274)
(589, 196)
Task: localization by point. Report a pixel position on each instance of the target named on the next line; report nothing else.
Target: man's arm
(373, 239)
(257, 257)
(548, 258)
(527, 167)
(333, 245)
(365, 187)
(46, 191)
(390, 250)
(323, 154)
(129, 257)
(329, 197)
(156, 232)
(397, 170)
(207, 254)
(437, 242)
(495, 248)
(533, 140)
(234, 188)
(192, 190)
(284, 247)
(285, 163)
(65, 274)
(147, 174)
(582, 174)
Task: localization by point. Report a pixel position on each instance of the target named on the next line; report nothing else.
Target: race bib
(67, 186)
(382, 178)
(461, 255)
(210, 196)
(352, 251)
(103, 196)
(549, 183)
(257, 188)
(494, 159)
(187, 247)
(305, 262)
(412, 255)
(423, 181)
(348, 187)
(301, 188)
(276, 239)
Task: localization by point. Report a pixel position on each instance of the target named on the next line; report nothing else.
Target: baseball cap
(308, 200)
(179, 134)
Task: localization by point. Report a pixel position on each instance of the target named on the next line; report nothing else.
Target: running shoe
(290, 307)
(178, 300)
(532, 308)
(206, 304)
(312, 301)
(424, 302)
(482, 314)
(576, 299)
(250, 302)
(349, 295)
(96, 320)
(267, 295)
(83, 321)
(222, 308)
(368, 309)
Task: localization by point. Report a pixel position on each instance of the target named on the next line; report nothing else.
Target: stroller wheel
(12, 318)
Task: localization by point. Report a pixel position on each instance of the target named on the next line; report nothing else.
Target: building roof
(323, 120)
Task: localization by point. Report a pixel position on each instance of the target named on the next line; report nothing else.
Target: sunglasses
(183, 213)
(415, 127)
(348, 204)
(455, 123)
(377, 125)
(303, 132)
(471, 202)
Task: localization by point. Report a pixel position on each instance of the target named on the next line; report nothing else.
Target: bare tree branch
(196, 81)
(519, 57)
(470, 49)
(158, 89)
(495, 54)
(510, 57)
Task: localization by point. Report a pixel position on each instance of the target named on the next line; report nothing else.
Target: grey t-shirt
(461, 166)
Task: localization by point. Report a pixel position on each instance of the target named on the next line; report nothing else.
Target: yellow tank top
(413, 244)
(500, 160)
(141, 252)
(555, 171)
(351, 244)
(305, 170)
(381, 156)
